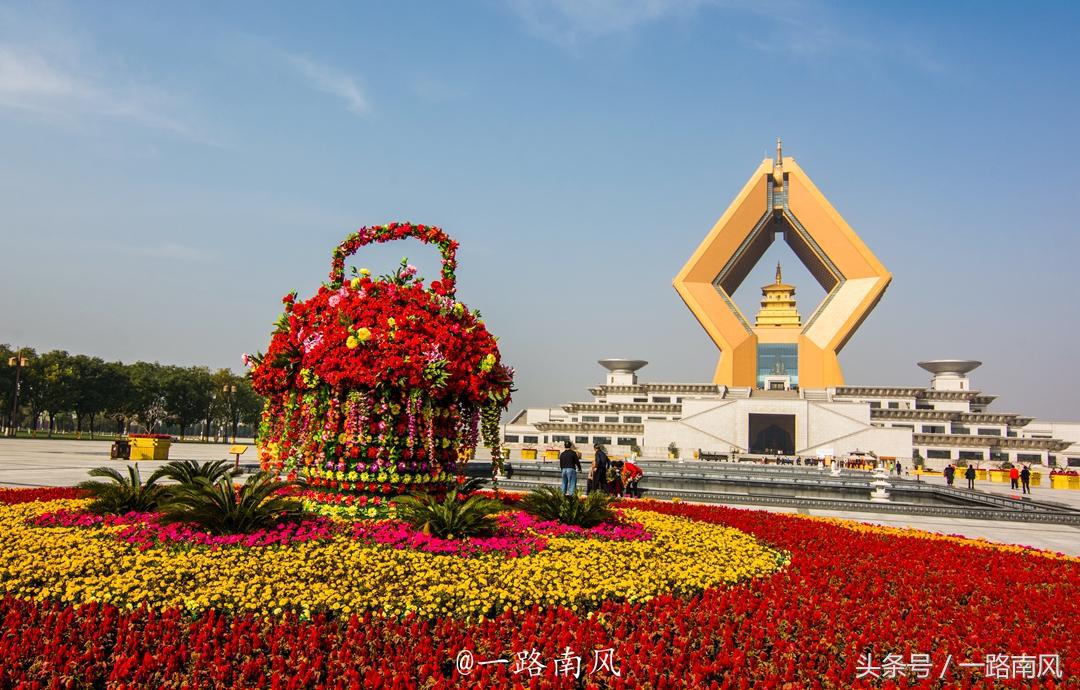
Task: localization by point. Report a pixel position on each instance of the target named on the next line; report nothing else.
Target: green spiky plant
(549, 503)
(185, 471)
(221, 508)
(451, 517)
(123, 494)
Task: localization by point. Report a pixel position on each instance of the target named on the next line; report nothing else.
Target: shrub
(221, 508)
(186, 471)
(123, 494)
(451, 517)
(549, 503)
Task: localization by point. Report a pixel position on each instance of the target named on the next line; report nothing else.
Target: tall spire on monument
(779, 154)
(779, 278)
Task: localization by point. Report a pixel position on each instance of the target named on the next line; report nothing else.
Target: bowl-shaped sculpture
(622, 366)
(956, 367)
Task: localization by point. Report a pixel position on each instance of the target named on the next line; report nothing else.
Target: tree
(119, 394)
(226, 408)
(250, 405)
(7, 383)
(186, 395)
(147, 403)
(52, 384)
(89, 389)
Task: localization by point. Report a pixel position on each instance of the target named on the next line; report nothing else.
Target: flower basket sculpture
(379, 386)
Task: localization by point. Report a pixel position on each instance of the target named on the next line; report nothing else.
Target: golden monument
(779, 198)
(778, 304)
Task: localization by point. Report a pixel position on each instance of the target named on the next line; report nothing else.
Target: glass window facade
(777, 359)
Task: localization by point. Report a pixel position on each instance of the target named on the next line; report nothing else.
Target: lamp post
(229, 390)
(18, 361)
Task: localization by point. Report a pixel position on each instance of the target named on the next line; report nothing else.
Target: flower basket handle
(428, 234)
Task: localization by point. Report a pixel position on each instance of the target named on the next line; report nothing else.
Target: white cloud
(568, 22)
(32, 81)
(797, 29)
(329, 80)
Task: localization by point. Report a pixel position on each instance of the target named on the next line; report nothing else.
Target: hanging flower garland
(377, 385)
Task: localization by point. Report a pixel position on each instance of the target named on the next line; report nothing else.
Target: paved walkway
(44, 462)
(1068, 497)
(41, 462)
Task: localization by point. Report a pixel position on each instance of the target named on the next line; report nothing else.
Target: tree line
(65, 392)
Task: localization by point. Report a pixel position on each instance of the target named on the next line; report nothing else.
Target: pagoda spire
(778, 306)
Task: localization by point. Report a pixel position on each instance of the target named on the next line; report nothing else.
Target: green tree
(147, 402)
(7, 383)
(250, 405)
(186, 395)
(52, 385)
(119, 394)
(89, 388)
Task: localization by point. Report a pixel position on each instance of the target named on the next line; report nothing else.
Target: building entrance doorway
(772, 433)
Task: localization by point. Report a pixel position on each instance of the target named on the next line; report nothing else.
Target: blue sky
(169, 170)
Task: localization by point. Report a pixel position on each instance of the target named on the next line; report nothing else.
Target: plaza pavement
(41, 462)
(46, 462)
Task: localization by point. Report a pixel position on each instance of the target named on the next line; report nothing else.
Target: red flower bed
(846, 593)
(45, 493)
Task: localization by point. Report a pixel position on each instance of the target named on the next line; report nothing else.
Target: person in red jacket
(631, 475)
(1014, 477)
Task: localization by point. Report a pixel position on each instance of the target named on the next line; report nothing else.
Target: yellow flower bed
(343, 576)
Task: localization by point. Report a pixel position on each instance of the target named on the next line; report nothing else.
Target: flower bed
(393, 571)
(846, 592)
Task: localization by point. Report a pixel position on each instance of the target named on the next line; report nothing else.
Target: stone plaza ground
(44, 462)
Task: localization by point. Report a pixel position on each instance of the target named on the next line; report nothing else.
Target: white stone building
(944, 423)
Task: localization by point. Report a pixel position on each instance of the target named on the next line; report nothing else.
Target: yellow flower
(355, 283)
(363, 334)
(364, 272)
(351, 342)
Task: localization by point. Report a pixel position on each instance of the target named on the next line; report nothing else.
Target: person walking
(969, 474)
(1025, 479)
(1014, 478)
(600, 466)
(899, 468)
(950, 474)
(570, 465)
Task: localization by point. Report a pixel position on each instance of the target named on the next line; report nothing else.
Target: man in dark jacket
(600, 466)
(1025, 479)
(969, 474)
(570, 464)
(949, 472)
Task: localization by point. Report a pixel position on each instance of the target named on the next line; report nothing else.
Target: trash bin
(121, 450)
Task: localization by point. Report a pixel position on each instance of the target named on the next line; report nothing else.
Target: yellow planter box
(1001, 476)
(551, 455)
(150, 448)
(528, 453)
(1035, 479)
(1060, 481)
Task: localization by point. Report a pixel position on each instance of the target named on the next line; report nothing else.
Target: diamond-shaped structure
(780, 198)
